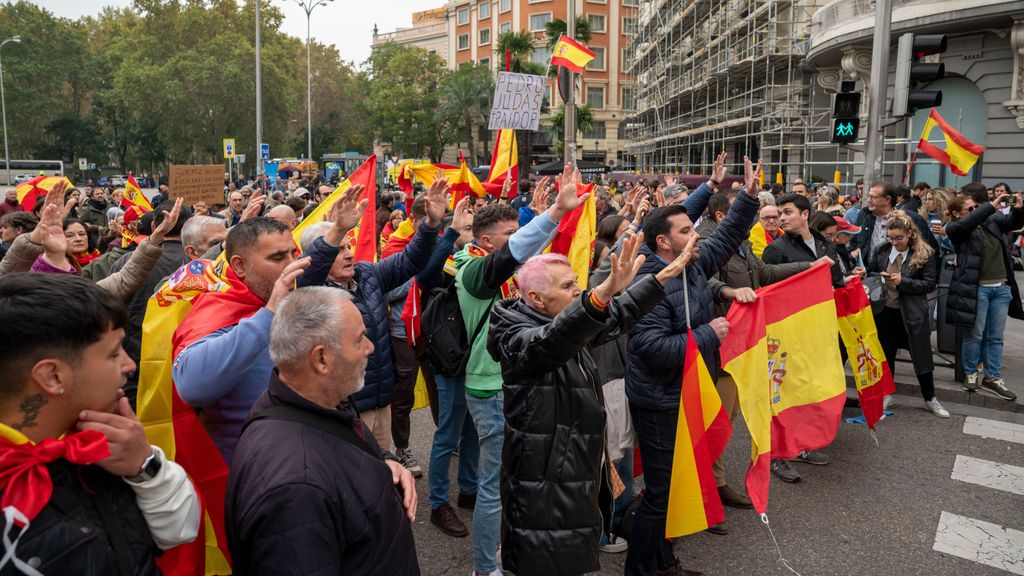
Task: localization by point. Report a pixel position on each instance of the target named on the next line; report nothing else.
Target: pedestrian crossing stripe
(989, 474)
(994, 429)
(981, 542)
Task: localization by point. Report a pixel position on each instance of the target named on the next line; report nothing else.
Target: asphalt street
(873, 511)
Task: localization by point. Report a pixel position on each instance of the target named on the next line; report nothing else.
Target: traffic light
(845, 110)
(911, 72)
(844, 130)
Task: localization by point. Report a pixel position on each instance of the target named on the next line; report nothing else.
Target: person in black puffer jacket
(556, 489)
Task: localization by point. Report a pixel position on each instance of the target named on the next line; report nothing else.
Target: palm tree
(584, 121)
(555, 28)
(466, 100)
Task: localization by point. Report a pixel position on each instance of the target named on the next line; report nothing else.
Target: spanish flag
(570, 54)
(759, 239)
(871, 371)
(783, 353)
(461, 179)
(960, 153)
(32, 190)
(364, 247)
(133, 196)
(702, 433)
(575, 235)
(504, 163)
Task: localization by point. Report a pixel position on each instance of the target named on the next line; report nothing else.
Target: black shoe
(678, 570)
(448, 522)
(733, 498)
(719, 529)
(466, 501)
(784, 471)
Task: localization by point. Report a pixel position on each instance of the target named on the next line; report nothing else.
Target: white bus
(22, 170)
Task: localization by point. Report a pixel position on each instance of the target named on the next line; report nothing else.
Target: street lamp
(308, 6)
(3, 106)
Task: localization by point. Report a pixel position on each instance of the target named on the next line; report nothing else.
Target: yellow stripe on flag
(581, 252)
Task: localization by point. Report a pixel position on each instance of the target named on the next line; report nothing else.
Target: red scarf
(85, 258)
(24, 478)
(510, 288)
(215, 310)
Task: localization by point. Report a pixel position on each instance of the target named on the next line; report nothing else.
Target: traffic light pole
(569, 137)
(875, 132)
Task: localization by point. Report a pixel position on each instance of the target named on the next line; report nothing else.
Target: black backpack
(447, 348)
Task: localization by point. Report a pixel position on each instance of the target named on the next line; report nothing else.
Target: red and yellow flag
(702, 433)
(504, 163)
(783, 353)
(871, 371)
(960, 153)
(570, 54)
(575, 235)
(364, 248)
(133, 196)
(459, 177)
(32, 190)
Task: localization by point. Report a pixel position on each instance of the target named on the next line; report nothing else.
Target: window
(537, 21)
(541, 56)
(598, 130)
(504, 6)
(597, 23)
(598, 62)
(485, 36)
(483, 10)
(463, 41)
(629, 26)
(504, 28)
(463, 16)
(595, 97)
(485, 62)
(630, 2)
(627, 98)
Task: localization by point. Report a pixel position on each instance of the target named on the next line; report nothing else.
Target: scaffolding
(714, 75)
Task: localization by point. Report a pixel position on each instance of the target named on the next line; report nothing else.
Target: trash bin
(945, 333)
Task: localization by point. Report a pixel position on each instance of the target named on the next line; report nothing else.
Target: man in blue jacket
(657, 350)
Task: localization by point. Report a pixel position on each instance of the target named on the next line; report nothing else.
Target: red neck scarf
(216, 310)
(85, 258)
(510, 288)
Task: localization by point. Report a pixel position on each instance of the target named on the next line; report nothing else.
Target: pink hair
(533, 275)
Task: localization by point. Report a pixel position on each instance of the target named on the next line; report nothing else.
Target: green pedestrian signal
(844, 130)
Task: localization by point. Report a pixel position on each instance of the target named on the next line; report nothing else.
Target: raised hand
(254, 208)
(624, 267)
(567, 201)
(286, 283)
(719, 170)
(345, 214)
(750, 176)
(461, 214)
(167, 224)
(675, 267)
(670, 180)
(659, 196)
(50, 233)
(437, 202)
(541, 193)
(506, 186)
(641, 212)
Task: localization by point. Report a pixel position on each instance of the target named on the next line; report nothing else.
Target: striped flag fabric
(871, 371)
(504, 163)
(364, 246)
(133, 196)
(960, 154)
(570, 54)
(783, 353)
(576, 233)
(30, 191)
(702, 433)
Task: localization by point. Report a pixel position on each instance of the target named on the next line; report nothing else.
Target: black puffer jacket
(92, 525)
(965, 234)
(552, 477)
(791, 248)
(657, 344)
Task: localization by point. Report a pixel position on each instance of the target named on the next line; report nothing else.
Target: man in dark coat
(554, 406)
(881, 201)
(310, 491)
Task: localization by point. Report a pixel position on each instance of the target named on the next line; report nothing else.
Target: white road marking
(981, 542)
(994, 429)
(990, 474)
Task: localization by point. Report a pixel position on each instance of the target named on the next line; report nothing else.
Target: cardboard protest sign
(198, 183)
(517, 101)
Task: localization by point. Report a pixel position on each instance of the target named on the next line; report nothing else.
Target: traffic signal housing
(912, 72)
(845, 111)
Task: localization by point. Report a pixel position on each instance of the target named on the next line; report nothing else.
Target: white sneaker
(937, 408)
(886, 402)
(615, 545)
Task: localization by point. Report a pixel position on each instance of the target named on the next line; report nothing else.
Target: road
(873, 511)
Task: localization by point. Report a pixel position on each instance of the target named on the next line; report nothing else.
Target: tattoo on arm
(30, 407)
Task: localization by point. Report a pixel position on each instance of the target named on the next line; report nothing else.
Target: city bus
(22, 170)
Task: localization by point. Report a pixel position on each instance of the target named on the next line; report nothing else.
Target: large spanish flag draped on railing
(702, 432)
(783, 353)
(172, 425)
(364, 246)
(575, 235)
(871, 371)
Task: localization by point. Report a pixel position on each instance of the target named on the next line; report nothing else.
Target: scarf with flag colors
(702, 433)
(576, 233)
(759, 239)
(570, 54)
(220, 300)
(783, 353)
(30, 191)
(504, 163)
(133, 196)
(510, 288)
(364, 246)
(871, 371)
(960, 154)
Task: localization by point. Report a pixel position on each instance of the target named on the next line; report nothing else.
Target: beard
(359, 378)
(261, 287)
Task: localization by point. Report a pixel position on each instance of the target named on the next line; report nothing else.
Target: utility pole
(569, 137)
(875, 133)
(3, 104)
(308, 6)
(259, 101)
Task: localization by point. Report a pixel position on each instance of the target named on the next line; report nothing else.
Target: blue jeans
(649, 551)
(454, 430)
(489, 417)
(625, 469)
(985, 340)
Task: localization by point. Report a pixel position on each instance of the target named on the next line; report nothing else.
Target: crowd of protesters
(304, 370)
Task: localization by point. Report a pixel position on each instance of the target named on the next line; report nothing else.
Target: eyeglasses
(971, 209)
(769, 218)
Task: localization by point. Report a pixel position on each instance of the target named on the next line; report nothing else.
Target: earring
(61, 392)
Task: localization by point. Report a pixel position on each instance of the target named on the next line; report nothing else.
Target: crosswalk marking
(981, 542)
(986, 428)
(991, 474)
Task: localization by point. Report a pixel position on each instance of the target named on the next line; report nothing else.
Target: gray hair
(675, 190)
(192, 231)
(306, 318)
(765, 198)
(310, 234)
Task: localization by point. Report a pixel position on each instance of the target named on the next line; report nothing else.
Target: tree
(554, 29)
(584, 124)
(466, 97)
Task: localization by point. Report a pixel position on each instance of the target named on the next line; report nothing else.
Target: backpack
(444, 331)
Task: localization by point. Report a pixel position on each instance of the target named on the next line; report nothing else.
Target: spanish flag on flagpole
(133, 196)
(575, 235)
(960, 154)
(702, 432)
(504, 163)
(783, 353)
(570, 54)
(871, 372)
(364, 246)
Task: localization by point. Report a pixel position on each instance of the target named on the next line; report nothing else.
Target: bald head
(283, 214)
(236, 201)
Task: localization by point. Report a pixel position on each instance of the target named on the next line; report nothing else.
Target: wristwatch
(150, 468)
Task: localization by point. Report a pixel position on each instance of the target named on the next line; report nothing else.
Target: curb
(954, 395)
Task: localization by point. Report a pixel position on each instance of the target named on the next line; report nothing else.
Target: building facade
(429, 31)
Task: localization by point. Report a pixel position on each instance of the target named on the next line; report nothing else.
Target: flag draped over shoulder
(570, 54)
(871, 371)
(783, 353)
(504, 163)
(960, 153)
(30, 191)
(364, 247)
(702, 433)
(173, 425)
(575, 235)
(133, 196)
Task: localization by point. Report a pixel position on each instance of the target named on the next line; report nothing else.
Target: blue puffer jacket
(371, 284)
(657, 344)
